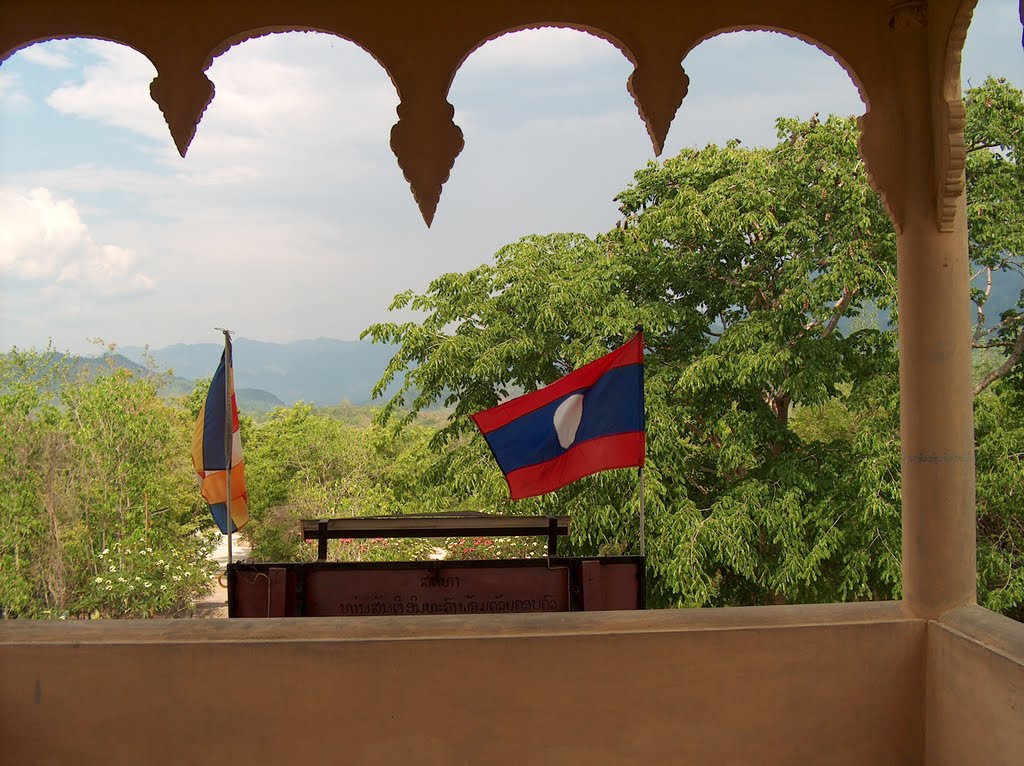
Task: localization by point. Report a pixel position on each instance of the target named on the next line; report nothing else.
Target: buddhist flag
(210, 449)
(591, 420)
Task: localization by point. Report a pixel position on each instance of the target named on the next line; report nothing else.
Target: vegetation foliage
(765, 280)
(98, 515)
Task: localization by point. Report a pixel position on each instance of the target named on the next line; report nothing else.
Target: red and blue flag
(591, 420)
(209, 452)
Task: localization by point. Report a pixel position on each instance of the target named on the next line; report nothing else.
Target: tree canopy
(99, 514)
(765, 280)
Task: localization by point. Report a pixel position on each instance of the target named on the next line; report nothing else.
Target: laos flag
(210, 450)
(591, 420)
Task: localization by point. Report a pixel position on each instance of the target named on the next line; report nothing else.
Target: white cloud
(114, 91)
(52, 55)
(11, 93)
(994, 32)
(44, 240)
(741, 81)
(270, 114)
(8, 83)
(547, 48)
(740, 40)
(222, 176)
(91, 178)
(266, 102)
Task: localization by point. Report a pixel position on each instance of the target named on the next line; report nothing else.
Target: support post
(643, 522)
(936, 397)
(321, 540)
(228, 435)
(640, 470)
(936, 418)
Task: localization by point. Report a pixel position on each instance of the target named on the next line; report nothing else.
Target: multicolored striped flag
(591, 420)
(211, 447)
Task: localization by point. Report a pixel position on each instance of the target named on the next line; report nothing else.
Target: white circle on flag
(567, 419)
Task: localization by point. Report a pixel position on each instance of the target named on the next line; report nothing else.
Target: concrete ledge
(336, 629)
(986, 630)
(835, 684)
(975, 689)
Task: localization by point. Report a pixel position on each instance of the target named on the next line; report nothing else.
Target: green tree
(999, 433)
(740, 264)
(89, 458)
(994, 136)
(772, 396)
(302, 463)
(31, 575)
(995, 200)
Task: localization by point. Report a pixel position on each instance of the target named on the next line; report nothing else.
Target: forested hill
(323, 371)
(252, 401)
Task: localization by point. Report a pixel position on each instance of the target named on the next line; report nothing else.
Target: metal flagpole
(228, 436)
(640, 473)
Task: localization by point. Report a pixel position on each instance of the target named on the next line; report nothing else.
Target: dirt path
(215, 604)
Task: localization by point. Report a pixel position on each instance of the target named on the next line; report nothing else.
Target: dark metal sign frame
(319, 588)
(549, 584)
(441, 525)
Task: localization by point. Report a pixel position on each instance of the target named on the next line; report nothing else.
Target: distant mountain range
(250, 400)
(324, 371)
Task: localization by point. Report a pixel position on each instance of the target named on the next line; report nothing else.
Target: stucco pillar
(936, 412)
(936, 417)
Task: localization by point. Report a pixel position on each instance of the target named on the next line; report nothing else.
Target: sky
(289, 218)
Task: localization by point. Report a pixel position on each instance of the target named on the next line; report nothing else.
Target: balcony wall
(835, 684)
(975, 697)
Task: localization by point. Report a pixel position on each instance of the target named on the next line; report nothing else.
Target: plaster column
(936, 411)
(936, 416)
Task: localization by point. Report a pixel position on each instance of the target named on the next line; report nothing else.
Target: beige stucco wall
(975, 688)
(773, 685)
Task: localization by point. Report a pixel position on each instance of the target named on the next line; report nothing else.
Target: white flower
(110, 587)
(120, 579)
(105, 551)
(159, 562)
(112, 568)
(188, 574)
(177, 578)
(147, 584)
(163, 587)
(142, 552)
(99, 579)
(63, 617)
(149, 550)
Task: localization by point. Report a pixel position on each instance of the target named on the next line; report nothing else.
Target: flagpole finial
(639, 327)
